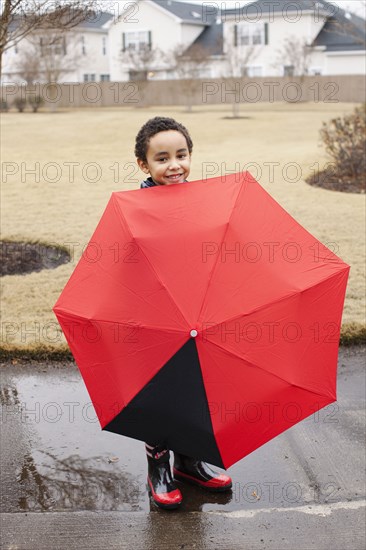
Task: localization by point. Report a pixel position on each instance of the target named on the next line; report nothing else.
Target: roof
(210, 39)
(343, 32)
(97, 22)
(92, 22)
(188, 13)
(282, 6)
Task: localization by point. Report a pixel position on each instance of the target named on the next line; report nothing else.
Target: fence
(326, 89)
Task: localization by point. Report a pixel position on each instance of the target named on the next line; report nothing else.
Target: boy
(163, 149)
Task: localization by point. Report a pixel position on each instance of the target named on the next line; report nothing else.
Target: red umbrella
(202, 316)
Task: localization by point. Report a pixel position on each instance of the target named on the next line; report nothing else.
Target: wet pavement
(66, 484)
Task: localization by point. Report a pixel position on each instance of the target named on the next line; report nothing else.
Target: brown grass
(66, 212)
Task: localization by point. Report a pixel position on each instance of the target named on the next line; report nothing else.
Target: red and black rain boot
(159, 479)
(199, 473)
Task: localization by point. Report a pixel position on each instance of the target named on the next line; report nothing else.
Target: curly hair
(154, 126)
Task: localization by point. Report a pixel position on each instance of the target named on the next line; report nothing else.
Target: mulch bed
(19, 258)
(328, 180)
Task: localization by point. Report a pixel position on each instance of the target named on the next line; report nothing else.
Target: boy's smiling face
(168, 159)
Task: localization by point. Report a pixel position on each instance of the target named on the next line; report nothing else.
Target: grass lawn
(59, 170)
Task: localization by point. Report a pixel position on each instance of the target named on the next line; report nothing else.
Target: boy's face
(167, 159)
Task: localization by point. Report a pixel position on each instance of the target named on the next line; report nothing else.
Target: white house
(302, 37)
(160, 26)
(79, 55)
(264, 38)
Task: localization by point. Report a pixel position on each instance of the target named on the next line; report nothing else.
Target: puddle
(55, 457)
(58, 457)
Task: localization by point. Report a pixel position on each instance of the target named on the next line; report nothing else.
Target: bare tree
(29, 66)
(294, 56)
(48, 56)
(140, 62)
(238, 60)
(19, 18)
(189, 66)
(55, 52)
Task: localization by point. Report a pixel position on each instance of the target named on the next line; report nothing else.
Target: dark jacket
(147, 183)
(150, 183)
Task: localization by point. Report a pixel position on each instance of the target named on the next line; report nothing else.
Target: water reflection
(9, 396)
(195, 498)
(74, 483)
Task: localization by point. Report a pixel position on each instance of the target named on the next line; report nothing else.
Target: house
(79, 55)
(339, 47)
(169, 39)
(264, 38)
(279, 38)
(163, 27)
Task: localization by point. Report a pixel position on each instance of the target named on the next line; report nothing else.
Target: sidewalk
(68, 485)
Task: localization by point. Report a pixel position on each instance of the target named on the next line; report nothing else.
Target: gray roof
(211, 39)
(272, 6)
(97, 22)
(189, 13)
(343, 32)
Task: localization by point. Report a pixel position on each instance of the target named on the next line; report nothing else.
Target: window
(105, 77)
(289, 70)
(251, 34)
(252, 71)
(315, 71)
(83, 49)
(89, 77)
(51, 45)
(104, 45)
(136, 41)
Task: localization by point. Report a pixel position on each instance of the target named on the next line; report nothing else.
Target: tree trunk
(236, 109)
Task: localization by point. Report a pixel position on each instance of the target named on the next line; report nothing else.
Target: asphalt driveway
(68, 485)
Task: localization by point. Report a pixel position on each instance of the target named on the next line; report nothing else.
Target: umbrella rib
(132, 291)
(130, 325)
(263, 306)
(98, 363)
(120, 214)
(266, 371)
(284, 297)
(217, 257)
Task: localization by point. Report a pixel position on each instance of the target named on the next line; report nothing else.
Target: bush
(4, 105)
(20, 104)
(35, 101)
(345, 142)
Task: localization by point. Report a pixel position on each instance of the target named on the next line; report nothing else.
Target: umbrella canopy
(202, 316)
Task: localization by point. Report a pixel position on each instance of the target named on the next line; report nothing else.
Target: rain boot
(159, 479)
(199, 473)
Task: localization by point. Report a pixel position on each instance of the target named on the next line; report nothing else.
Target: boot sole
(188, 479)
(161, 504)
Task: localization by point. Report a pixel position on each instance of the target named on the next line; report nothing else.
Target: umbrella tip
(193, 333)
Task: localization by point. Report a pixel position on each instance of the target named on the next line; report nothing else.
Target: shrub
(345, 142)
(4, 105)
(35, 101)
(20, 104)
